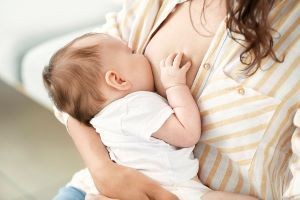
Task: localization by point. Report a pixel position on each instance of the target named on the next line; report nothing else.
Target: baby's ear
(115, 80)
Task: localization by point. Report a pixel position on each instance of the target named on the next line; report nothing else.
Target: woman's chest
(183, 32)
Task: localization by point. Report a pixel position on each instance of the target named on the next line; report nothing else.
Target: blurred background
(37, 156)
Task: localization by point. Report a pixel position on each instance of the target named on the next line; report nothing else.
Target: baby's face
(134, 67)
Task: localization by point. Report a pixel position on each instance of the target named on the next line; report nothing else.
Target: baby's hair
(72, 78)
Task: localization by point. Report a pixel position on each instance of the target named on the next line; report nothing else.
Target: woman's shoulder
(284, 11)
(142, 17)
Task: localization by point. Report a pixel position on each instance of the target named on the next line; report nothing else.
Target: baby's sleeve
(145, 115)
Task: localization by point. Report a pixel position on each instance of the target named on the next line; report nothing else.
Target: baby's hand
(171, 73)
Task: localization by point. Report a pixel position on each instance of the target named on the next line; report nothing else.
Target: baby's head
(93, 70)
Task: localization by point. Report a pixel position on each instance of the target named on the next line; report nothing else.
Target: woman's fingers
(161, 194)
(127, 184)
(97, 197)
(153, 194)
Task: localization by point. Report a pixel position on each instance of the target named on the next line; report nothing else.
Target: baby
(100, 81)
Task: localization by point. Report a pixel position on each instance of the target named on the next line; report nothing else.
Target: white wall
(24, 24)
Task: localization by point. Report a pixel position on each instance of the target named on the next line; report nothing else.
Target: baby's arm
(183, 128)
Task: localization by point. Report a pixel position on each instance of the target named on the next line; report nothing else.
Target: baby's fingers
(162, 63)
(177, 60)
(170, 59)
(186, 66)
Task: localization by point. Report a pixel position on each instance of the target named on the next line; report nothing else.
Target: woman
(245, 79)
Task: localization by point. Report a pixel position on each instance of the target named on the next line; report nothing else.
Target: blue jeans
(70, 193)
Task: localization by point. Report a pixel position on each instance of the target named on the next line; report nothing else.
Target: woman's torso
(247, 122)
(178, 27)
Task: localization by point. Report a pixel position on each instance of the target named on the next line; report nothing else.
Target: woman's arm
(112, 180)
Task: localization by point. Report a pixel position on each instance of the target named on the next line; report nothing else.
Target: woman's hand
(128, 184)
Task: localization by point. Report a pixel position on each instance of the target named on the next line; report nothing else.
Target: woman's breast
(176, 34)
(163, 45)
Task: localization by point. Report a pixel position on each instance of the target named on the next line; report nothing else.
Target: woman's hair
(72, 77)
(250, 19)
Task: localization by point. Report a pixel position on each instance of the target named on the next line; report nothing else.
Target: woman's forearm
(90, 147)
(108, 176)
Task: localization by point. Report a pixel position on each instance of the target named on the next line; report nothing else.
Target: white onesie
(125, 127)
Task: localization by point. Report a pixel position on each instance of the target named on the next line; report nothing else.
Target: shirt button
(241, 91)
(206, 66)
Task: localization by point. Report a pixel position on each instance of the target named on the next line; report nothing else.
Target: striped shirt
(250, 140)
